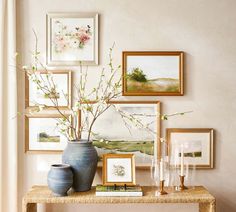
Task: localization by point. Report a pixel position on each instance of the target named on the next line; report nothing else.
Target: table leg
(207, 207)
(29, 207)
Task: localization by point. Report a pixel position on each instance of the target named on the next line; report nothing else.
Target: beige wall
(204, 29)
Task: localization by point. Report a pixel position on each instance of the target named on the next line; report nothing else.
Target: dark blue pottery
(83, 158)
(60, 179)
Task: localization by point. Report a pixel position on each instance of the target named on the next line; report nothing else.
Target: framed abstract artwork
(197, 145)
(114, 134)
(118, 169)
(153, 73)
(42, 134)
(61, 94)
(72, 39)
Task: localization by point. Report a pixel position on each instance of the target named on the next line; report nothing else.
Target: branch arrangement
(91, 104)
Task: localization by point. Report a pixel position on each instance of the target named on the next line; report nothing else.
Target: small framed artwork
(42, 134)
(72, 39)
(153, 73)
(197, 144)
(118, 169)
(61, 95)
(113, 134)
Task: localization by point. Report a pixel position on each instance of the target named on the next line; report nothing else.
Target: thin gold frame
(27, 117)
(125, 54)
(158, 103)
(95, 16)
(194, 130)
(69, 88)
(105, 170)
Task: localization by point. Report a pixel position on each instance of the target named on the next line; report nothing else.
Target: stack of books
(119, 191)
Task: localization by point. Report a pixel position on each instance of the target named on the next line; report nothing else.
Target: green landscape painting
(152, 74)
(138, 81)
(111, 135)
(44, 137)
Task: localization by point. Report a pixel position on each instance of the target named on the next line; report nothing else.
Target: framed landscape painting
(197, 144)
(42, 134)
(114, 134)
(61, 95)
(153, 73)
(72, 39)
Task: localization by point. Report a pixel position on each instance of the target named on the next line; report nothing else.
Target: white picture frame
(72, 39)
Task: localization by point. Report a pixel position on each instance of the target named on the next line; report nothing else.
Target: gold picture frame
(28, 139)
(72, 21)
(142, 81)
(198, 150)
(118, 169)
(139, 105)
(50, 107)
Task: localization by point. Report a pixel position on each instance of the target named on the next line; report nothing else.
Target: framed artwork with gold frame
(62, 81)
(153, 73)
(197, 144)
(111, 134)
(118, 169)
(42, 134)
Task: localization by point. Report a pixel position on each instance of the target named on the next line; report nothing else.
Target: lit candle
(161, 170)
(182, 161)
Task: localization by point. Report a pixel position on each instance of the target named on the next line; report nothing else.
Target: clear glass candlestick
(182, 166)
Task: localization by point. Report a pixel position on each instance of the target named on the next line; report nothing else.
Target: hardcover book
(119, 191)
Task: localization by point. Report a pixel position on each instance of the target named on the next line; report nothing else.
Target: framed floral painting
(153, 73)
(72, 38)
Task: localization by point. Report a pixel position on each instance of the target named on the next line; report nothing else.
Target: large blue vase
(82, 157)
(60, 179)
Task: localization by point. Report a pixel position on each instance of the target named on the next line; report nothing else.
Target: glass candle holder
(182, 166)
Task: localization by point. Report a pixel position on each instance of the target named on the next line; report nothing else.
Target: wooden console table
(41, 194)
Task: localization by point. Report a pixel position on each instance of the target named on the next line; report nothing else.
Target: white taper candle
(182, 161)
(161, 170)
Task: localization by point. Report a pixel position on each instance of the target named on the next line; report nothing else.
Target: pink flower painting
(66, 39)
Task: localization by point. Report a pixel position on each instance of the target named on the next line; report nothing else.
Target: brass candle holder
(162, 191)
(182, 186)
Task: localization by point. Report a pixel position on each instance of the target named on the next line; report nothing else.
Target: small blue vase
(60, 179)
(83, 158)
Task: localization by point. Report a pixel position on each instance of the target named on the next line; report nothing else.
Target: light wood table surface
(41, 194)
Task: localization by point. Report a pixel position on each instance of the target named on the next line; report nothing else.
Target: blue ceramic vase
(83, 158)
(60, 179)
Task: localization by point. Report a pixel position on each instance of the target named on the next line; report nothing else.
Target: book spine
(119, 194)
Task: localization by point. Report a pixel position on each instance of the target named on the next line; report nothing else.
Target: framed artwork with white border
(62, 95)
(118, 169)
(72, 39)
(111, 134)
(197, 144)
(42, 134)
